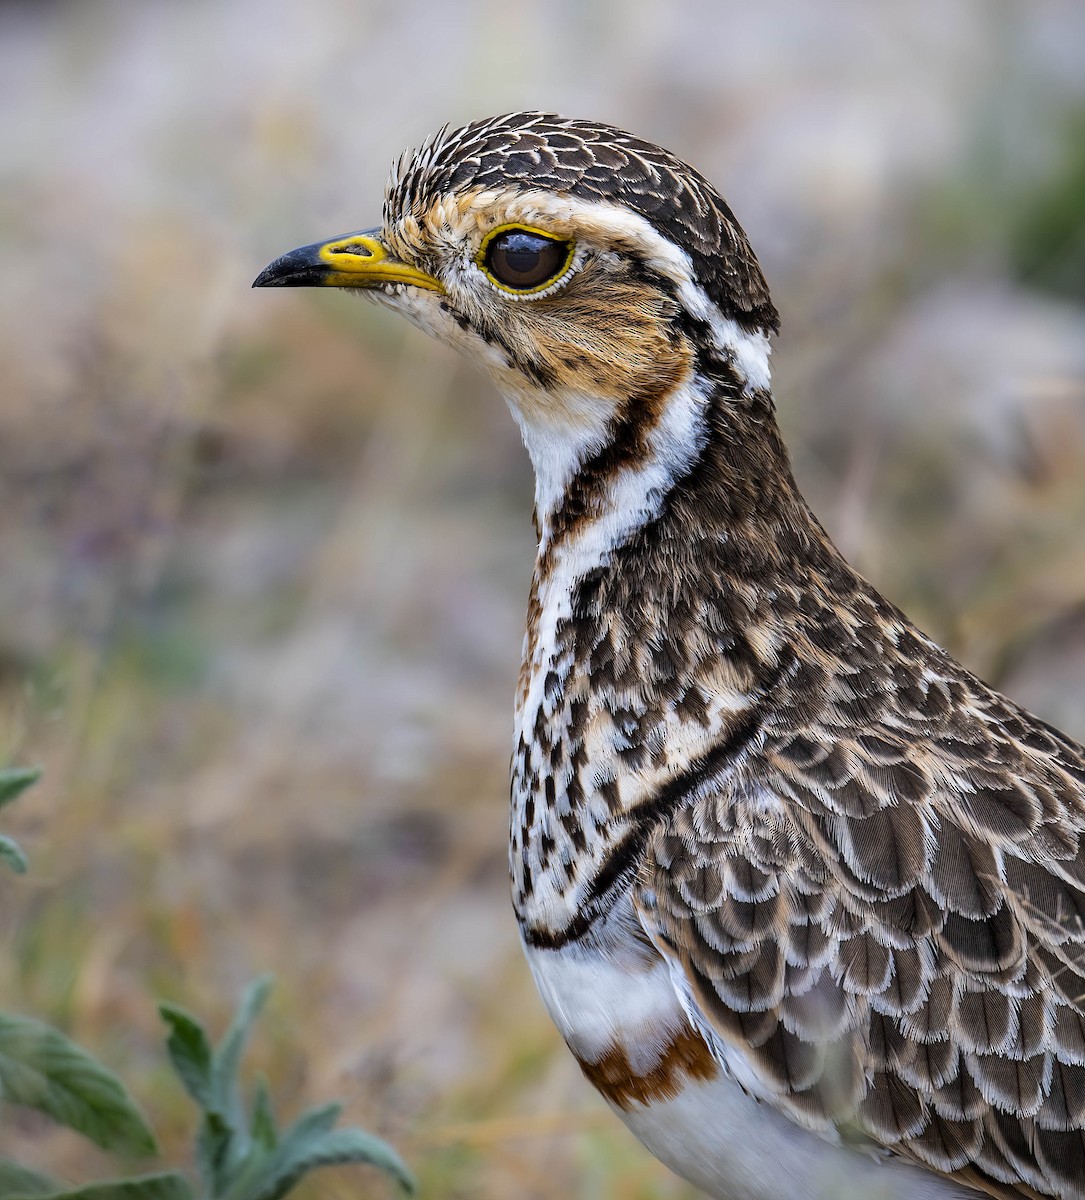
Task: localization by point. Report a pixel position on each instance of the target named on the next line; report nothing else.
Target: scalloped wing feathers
(886, 920)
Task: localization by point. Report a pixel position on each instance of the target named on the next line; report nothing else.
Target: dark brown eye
(525, 261)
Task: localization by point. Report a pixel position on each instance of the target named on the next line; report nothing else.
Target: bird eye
(522, 260)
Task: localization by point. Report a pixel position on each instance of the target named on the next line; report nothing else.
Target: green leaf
(216, 1151)
(15, 780)
(227, 1056)
(21, 1181)
(193, 1059)
(313, 1122)
(298, 1154)
(224, 1144)
(168, 1185)
(43, 1069)
(210, 1077)
(265, 1132)
(190, 1052)
(254, 1164)
(11, 853)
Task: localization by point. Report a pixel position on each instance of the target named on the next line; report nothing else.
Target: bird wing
(880, 922)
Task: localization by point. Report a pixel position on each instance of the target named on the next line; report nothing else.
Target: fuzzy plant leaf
(15, 780)
(250, 1171)
(42, 1069)
(167, 1185)
(265, 1132)
(244, 1156)
(312, 1123)
(190, 1053)
(216, 1151)
(209, 1074)
(192, 1057)
(302, 1151)
(16, 1180)
(227, 1056)
(11, 854)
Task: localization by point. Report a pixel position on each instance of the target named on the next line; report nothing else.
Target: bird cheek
(461, 322)
(424, 310)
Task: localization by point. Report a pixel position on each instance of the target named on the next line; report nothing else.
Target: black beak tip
(298, 268)
(285, 274)
(267, 278)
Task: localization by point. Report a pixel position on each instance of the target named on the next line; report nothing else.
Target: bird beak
(357, 260)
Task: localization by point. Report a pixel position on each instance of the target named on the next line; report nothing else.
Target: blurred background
(265, 555)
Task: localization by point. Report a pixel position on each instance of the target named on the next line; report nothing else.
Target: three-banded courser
(803, 895)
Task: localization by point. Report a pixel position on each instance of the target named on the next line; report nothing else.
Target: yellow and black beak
(357, 260)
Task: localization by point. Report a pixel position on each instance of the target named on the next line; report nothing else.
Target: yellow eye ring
(523, 260)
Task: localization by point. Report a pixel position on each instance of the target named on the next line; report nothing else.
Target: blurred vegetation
(266, 556)
(1036, 222)
(240, 1154)
(1048, 240)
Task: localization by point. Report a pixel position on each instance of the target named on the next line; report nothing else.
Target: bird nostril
(358, 248)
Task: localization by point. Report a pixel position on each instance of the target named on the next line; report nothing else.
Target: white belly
(737, 1148)
(613, 1001)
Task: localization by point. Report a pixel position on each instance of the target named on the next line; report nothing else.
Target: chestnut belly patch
(685, 1057)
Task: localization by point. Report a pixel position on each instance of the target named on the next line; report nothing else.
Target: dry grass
(265, 556)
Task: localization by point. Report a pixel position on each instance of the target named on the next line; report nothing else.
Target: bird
(803, 895)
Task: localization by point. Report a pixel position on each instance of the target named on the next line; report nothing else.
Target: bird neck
(699, 465)
(668, 587)
(609, 460)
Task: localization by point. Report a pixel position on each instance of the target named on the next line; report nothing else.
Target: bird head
(591, 274)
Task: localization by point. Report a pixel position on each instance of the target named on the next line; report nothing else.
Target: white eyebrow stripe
(608, 223)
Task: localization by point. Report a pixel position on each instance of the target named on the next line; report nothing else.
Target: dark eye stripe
(525, 261)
